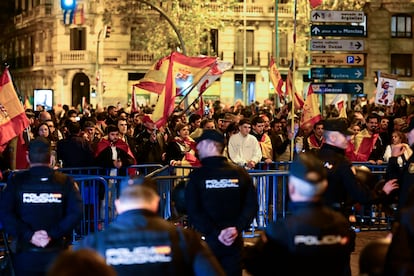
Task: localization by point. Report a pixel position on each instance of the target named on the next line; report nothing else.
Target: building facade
(72, 54)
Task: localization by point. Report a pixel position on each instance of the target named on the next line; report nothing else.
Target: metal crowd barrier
(95, 195)
(99, 188)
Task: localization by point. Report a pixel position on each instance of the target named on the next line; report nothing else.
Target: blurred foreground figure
(314, 240)
(83, 262)
(39, 209)
(139, 242)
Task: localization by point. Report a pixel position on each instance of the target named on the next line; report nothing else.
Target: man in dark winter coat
(221, 201)
(140, 242)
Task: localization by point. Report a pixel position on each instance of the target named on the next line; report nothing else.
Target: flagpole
(245, 96)
(188, 93)
(292, 94)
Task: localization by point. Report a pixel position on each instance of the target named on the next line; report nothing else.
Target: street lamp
(106, 31)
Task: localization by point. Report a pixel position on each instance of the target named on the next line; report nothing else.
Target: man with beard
(367, 145)
(112, 152)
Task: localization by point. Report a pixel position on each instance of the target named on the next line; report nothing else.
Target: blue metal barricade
(93, 220)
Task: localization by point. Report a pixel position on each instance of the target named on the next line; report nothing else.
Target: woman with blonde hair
(398, 137)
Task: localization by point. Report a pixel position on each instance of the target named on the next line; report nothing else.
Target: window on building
(77, 39)
(401, 64)
(401, 26)
(209, 43)
(240, 47)
(250, 95)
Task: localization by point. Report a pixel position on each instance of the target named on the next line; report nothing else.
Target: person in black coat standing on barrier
(221, 201)
(139, 242)
(314, 240)
(39, 208)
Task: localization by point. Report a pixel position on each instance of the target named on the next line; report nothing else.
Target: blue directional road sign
(337, 73)
(338, 88)
(337, 30)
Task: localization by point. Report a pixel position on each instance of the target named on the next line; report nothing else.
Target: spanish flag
(276, 79)
(311, 113)
(13, 119)
(174, 75)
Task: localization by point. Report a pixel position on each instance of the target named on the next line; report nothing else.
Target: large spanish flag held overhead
(182, 73)
(13, 119)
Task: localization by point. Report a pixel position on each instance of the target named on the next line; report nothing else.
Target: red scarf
(104, 143)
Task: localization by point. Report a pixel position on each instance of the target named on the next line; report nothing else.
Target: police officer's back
(39, 208)
(139, 242)
(314, 240)
(221, 201)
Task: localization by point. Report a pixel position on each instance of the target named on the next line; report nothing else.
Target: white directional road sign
(338, 59)
(337, 45)
(337, 16)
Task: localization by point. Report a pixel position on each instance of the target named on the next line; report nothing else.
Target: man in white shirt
(243, 148)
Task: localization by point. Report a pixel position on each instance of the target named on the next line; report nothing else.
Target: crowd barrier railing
(95, 195)
(99, 188)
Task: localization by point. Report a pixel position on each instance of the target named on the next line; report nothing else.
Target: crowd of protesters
(71, 130)
(255, 135)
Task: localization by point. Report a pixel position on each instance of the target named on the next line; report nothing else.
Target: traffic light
(107, 31)
(68, 4)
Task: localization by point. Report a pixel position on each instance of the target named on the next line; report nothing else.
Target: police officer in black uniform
(343, 188)
(221, 201)
(313, 240)
(39, 208)
(140, 242)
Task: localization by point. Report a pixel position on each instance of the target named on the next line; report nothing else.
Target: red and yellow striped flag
(276, 79)
(13, 119)
(293, 94)
(171, 76)
(311, 112)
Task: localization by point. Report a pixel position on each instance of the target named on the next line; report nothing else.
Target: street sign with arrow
(337, 73)
(338, 88)
(337, 30)
(337, 16)
(338, 59)
(337, 45)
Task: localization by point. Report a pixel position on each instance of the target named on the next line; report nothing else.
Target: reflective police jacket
(314, 240)
(139, 242)
(218, 195)
(40, 199)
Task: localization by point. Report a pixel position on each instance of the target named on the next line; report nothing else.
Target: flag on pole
(13, 119)
(293, 94)
(212, 75)
(340, 104)
(154, 79)
(276, 79)
(215, 72)
(134, 106)
(200, 110)
(27, 104)
(182, 74)
(311, 112)
(315, 3)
